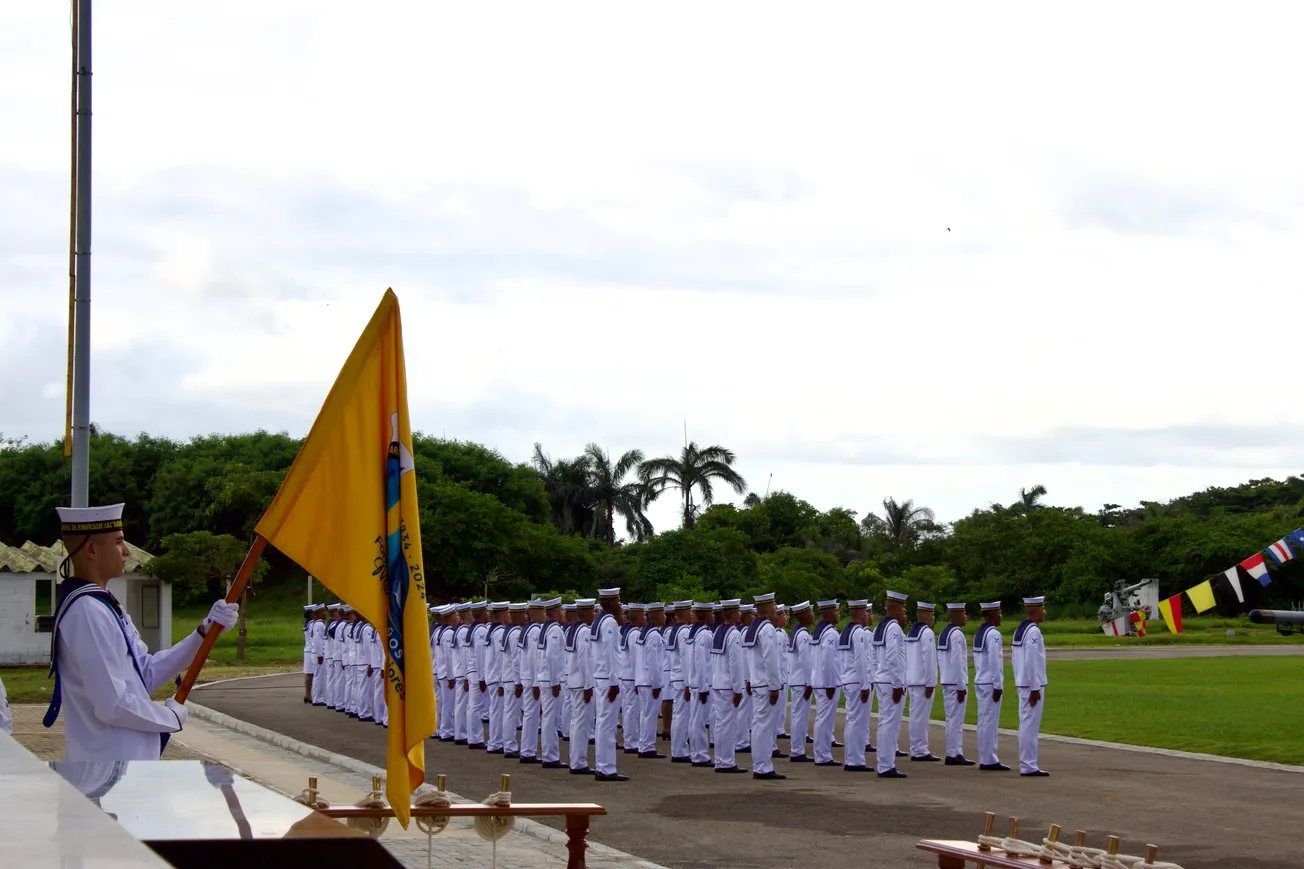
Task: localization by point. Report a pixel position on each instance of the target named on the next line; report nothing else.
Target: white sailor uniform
(799, 679)
(1028, 657)
(853, 654)
(921, 680)
(550, 668)
(579, 679)
(890, 674)
(604, 656)
(989, 676)
(826, 677)
(763, 646)
(953, 659)
(728, 682)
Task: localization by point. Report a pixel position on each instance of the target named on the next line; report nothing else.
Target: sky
(938, 252)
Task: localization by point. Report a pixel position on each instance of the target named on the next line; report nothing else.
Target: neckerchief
(643, 632)
(672, 637)
(525, 634)
(543, 634)
(821, 629)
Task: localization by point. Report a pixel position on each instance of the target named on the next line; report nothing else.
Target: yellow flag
(1201, 596)
(347, 513)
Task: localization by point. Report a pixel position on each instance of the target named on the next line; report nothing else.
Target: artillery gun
(1287, 621)
(1124, 599)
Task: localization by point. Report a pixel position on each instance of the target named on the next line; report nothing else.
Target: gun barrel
(1276, 617)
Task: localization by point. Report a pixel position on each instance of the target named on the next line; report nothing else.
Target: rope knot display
(491, 828)
(373, 799)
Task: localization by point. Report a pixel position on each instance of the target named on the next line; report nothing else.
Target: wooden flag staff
(237, 589)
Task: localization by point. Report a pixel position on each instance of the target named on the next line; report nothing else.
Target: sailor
(921, 679)
(679, 650)
(329, 652)
(697, 674)
(511, 677)
(605, 663)
(890, 682)
(579, 682)
(529, 670)
(635, 617)
(309, 657)
(447, 714)
(569, 618)
(499, 615)
(781, 717)
(988, 683)
(317, 633)
(366, 638)
(549, 673)
(746, 616)
(667, 700)
(649, 676)
(103, 671)
(728, 684)
(1028, 657)
(439, 669)
(462, 656)
(763, 647)
(826, 680)
(476, 665)
(857, 685)
(799, 652)
(344, 659)
(376, 676)
(953, 659)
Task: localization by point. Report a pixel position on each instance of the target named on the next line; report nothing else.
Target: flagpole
(81, 380)
(232, 595)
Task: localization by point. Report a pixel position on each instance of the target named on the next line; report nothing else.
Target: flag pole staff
(81, 380)
(232, 595)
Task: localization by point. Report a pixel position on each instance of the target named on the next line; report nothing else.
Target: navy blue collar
(1021, 630)
(980, 638)
(752, 631)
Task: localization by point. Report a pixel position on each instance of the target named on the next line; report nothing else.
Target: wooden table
(955, 854)
(576, 814)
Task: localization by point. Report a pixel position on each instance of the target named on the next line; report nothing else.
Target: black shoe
(776, 753)
(609, 776)
(784, 736)
(900, 753)
(307, 700)
(927, 758)
(800, 758)
(994, 767)
(319, 704)
(368, 718)
(459, 742)
(746, 749)
(836, 744)
(768, 775)
(702, 763)
(681, 760)
(871, 749)
(892, 773)
(809, 740)
(583, 770)
(959, 760)
(663, 736)
(827, 763)
(493, 751)
(1037, 773)
(650, 755)
(856, 769)
(510, 755)
(553, 764)
(631, 751)
(730, 769)
(479, 746)
(529, 760)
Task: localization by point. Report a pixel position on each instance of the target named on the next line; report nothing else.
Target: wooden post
(988, 823)
(577, 830)
(232, 595)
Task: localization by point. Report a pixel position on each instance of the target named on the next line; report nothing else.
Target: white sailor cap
(925, 606)
(828, 604)
(90, 520)
(703, 606)
(479, 604)
(655, 606)
(1039, 600)
(715, 607)
(636, 607)
(585, 603)
(332, 607)
(499, 606)
(464, 607)
(537, 603)
(669, 608)
(731, 604)
(954, 606)
(683, 604)
(857, 604)
(994, 605)
(552, 603)
(897, 597)
(799, 607)
(780, 607)
(768, 597)
(347, 608)
(609, 592)
(748, 608)
(568, 607)
(518, 607)
(309, 607)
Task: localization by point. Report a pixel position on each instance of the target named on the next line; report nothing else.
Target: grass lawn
(1251, 707)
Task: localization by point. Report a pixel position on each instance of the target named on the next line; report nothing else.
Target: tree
(694, 469)
(1030, 499)
(752, 500)
(193, 563)
(570, 495)
(613, 494)
(904, 523)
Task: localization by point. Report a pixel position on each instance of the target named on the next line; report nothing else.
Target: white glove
(179, 709)
(224, 614)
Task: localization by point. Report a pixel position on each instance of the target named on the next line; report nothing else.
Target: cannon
(1287, 621)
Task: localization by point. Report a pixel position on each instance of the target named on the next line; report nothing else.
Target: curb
(523, 825)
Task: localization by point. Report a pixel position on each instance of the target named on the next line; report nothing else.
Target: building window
(149, 595)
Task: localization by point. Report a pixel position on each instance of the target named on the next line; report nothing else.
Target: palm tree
(694, 469)
(612, 495)
(1031, 498)
(570, 493)
(903, 522)
(752, 500)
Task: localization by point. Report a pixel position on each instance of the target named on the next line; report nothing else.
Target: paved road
(1201, 813)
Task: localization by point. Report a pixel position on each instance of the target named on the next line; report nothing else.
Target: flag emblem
(1280, 552)
(1255, 567)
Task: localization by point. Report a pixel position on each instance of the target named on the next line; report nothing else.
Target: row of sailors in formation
(344, 663)
(572, 672)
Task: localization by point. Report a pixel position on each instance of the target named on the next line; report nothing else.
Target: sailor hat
(518, 607)
(90, 520)
(897, 596)
(703, 606)
(954, 606)
(731, 604)
(925, 606)
(309, 607)
(857, 604)
(465, 607)
(748, 608)
(537, 604)
(479, 604)
(715, 608)
(669, 608)
(781, 608)
(552, 603)
(608, 592)
(655, 606)
(585, 603)
(499, 606)
(347, 608)
(636, 607)
(1039, 600)
(764, 598)
(828, 604)
(799, 607)
(683, 604)
(994, 605)
(568, 607)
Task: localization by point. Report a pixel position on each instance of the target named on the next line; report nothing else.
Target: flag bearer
(988, 683)
(857, 685)
(1029, 660)
(826, 679)
(921, 679)
(890, 682)
(953, 659)
(800, 653)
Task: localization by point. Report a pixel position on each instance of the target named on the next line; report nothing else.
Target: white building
(25, 633)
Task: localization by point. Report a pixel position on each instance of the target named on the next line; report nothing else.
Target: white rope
(432, 824)
(311, 797)
(1013, 847)
(1082, 857)
(492, 827)
(373, 827)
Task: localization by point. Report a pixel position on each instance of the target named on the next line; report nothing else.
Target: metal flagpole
(81, 384)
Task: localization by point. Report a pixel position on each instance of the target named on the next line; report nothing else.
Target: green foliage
(718, 558)
(199, 564)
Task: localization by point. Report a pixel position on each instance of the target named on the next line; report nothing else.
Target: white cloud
(934, 252)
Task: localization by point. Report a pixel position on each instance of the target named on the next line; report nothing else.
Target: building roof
(30, 558)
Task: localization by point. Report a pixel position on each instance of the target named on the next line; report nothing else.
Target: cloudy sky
(929, 251)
